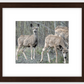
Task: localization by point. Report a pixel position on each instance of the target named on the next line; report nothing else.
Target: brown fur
(63, 32)
(53, 41)
(27, 41)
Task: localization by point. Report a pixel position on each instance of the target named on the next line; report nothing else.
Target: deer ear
(31, 25)
(38, 25)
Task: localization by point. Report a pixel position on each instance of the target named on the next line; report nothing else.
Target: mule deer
(63, 32)
(28, 41)
(55, 42)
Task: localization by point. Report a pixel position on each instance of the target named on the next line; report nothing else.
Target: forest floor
(21, 58)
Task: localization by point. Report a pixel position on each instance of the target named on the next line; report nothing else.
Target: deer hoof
(40, 60)
(31, 58)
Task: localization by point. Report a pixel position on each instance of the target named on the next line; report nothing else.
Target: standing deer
(55, 42)
(28, 41)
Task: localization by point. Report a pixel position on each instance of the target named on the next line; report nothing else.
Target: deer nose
(35, 31)
(65, 57)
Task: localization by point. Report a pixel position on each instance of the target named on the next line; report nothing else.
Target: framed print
(41, 42)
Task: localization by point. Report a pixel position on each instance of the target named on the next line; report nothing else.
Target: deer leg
(17, 52)
(48, 55)
(24, 54)
(56, 53)
(34, 54)
(43, 51)
(42, 54)
(31, 52)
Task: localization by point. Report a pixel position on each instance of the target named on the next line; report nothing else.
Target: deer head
(35, 29)
(64, 52)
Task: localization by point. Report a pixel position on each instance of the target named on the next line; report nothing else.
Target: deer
(56, 42)
(28, 41)
(63, 32)
(62, 27)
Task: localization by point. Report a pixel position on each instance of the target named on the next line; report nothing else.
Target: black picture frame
(40, 79)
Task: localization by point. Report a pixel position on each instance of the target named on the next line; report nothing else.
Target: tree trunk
(54, 25)
(22, 27)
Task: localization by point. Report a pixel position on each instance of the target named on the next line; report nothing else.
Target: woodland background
(45, 28)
